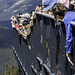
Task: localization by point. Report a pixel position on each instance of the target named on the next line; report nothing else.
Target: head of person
(32, 12)
(26, 22)
(18, 15)
(59, 9)
(73, 3)
(71, 7)
(38, 9)
(13, 18)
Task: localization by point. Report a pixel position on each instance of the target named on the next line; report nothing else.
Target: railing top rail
(52, 17)
(46, 15)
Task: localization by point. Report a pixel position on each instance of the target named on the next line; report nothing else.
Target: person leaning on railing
(33, 13)
(32, 17)
(17, 26)
(21, 25)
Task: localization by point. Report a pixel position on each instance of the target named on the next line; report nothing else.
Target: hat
(26, 15)
(48, 4)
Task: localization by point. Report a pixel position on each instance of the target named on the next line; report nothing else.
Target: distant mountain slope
(9, 8)
(12, 7)
(5, 4)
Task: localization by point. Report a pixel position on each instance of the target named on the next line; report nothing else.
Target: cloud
(17, 3)
(15, 10)
(23, 5)
(5, 10)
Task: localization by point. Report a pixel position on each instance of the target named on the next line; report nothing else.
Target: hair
(20, 14)
(71, 7)
(12, 17)
(58, 9)
(40, 5)
(32, 12)
(38, 8)
(26, 21)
